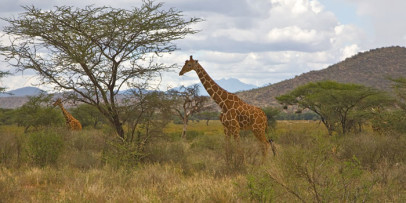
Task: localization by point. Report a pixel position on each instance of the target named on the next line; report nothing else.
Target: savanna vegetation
(49, 163)
(52, 164)
(134, 146)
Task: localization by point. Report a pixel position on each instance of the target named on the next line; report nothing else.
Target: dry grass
(310, 166)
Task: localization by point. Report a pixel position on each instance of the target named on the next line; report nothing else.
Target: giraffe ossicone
(71, 122)
(235, 114)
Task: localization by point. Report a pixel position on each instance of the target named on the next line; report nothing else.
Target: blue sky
(260, 42)
(346, 13)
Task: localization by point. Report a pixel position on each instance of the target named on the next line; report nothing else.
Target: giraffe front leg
(239, 157)
(228, 147)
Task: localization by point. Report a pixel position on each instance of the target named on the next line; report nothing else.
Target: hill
(15, 98)
(21, 92)
(370, 68)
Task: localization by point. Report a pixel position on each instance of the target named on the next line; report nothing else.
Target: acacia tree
(38, 112)
(189, 102)
(340, 106)
(400, 89)
(92, 53)
(146, 114)
(393, 121)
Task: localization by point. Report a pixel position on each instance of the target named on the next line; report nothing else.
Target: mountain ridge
(370, 68)
(21, 92)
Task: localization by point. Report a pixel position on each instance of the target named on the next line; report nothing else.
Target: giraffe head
(189, 65)
(58, 102)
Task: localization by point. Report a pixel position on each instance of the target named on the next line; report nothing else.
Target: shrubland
(53, 164)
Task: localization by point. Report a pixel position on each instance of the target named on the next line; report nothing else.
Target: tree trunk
(185, 121)
(118, 127)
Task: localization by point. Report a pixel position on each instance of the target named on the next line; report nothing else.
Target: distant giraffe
(71, 122)
(235, 113)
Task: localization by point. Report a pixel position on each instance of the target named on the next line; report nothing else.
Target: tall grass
(309, 166)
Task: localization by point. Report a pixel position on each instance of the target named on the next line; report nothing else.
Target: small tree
(392, 121)
(208, 115)
(146, 113)
(88, 115)
(92, 53)
(271, 114)
(400, 89)
(189, 102)
(38, 112)
(340, 106)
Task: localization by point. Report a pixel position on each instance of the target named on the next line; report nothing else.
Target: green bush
(372, 149)
(38, 113)
(118, 153)
(10, 147)
(44, 147)
(192, 134)
(165, 152)
(210, 142)
(259, 187)
(297, 139)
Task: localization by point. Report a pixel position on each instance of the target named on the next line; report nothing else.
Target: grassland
(309, 166)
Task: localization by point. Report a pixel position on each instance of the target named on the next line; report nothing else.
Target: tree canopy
(94, 52)
(190, 102)
(341, 107)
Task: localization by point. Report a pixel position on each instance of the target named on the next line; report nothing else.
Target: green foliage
(206, 115)
(298, 116)
(203, 142)
(11, 146)
(166, 152)
(341, 107)
(122, 154)
(313, 175)
(372, 150)
(260, 188)
(309, 167)
(193, 134)
(271, 114)
(93, 52)
(400, 89)
(146, 115)
(88, 115)
(38, 112)
(44, 147)
(6, 116)
(187, 103)
(392, 121)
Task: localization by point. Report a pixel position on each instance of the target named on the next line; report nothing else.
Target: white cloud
(266, 41)
(349, 51)
(292, 33)
(386, 19)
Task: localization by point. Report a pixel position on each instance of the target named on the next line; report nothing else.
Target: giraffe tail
(273, 147)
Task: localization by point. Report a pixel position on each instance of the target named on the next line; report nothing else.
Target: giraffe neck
(218, 94)
(66, 114)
